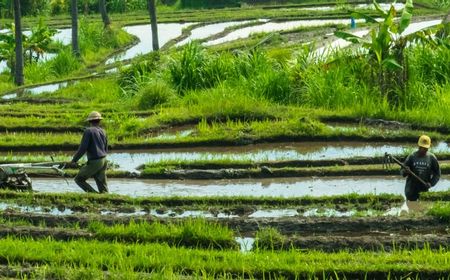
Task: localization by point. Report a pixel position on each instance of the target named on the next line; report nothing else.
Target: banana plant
(386, 45)
(39, 41)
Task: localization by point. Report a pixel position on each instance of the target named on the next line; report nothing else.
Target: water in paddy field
(166, 32)
(39, 89)
(209, 30)
(130, 160)
(271, 27)
(277, 187)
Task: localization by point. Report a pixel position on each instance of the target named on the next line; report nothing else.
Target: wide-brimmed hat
(93, 116)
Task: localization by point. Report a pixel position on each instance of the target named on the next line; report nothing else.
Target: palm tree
(18, 75)
(74, 13)
(105, 17)
(154, 24)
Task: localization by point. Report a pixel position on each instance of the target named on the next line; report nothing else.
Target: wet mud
(370, 242)
(249, 226)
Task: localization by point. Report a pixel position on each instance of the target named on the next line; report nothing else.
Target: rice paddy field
(251, 145)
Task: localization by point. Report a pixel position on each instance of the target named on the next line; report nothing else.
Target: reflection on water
(130, 160)
(278, 187)
(273, 26)
(209, 30)
(166, 32)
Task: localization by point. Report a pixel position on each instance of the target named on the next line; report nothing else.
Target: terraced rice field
(250, 146)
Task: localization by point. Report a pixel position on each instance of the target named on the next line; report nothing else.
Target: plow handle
(405, 167)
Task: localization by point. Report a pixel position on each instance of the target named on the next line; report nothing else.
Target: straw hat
(93, 116)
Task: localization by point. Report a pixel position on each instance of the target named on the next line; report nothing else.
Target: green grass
(196, 233)
(111, 200)
(117, 257)
(440, 211)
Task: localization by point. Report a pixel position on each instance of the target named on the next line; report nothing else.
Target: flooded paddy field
(284, 187)
(310, 226)
(130, 160)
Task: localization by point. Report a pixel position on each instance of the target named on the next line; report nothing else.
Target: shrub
(154, 94)
(132, 78)
(64, 63)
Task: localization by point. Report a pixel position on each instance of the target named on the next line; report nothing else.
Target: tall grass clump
(196, 233)
(440, 210)
(343, 82)
(194, 68)
(227, 101)
(269, 239)
(155, 93)
(137, 75)
(38, 72)
(64, 63)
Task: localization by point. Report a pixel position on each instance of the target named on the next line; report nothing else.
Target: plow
(15, 176)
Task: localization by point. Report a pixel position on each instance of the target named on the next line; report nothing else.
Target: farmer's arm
(435, 171)
(83, 146)
(408, 164)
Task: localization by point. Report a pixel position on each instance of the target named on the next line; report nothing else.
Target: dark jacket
(94, 143)
(426, 167)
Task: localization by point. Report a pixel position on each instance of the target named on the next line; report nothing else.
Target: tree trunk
(18, 75)
(154, 24)
(74, 13)
(105, 17)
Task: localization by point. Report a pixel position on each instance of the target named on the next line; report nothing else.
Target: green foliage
(93, 36)
(64, 63)
(208, 4)
(196, 233)
(155, 93)
(195, 68)
(135, 76)
(269, 239)
(440, 210)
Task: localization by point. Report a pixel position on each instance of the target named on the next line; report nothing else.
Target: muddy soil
(333, 243)
(248, 226)
(40, 232)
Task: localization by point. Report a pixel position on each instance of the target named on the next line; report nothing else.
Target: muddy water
(267, 152)
(130, 160)
(279, 187)
(208, 30)
(272, 26)
(40, 89)
(384, 6)
(166, 32)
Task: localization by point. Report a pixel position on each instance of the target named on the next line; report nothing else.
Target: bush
(154, 94)
(132, 78)
(194, 68)
(64, 63)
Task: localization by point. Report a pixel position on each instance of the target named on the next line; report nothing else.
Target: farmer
(424, 165)
(95, 144)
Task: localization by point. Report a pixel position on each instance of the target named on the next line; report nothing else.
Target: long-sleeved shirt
(94, 143)
(426, 167)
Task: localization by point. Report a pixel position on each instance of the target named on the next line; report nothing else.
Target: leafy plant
(386, 47)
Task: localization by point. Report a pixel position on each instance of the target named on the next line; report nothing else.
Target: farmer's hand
(407, 170)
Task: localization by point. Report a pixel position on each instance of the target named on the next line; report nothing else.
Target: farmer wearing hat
(95, 144)
(424, 165)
